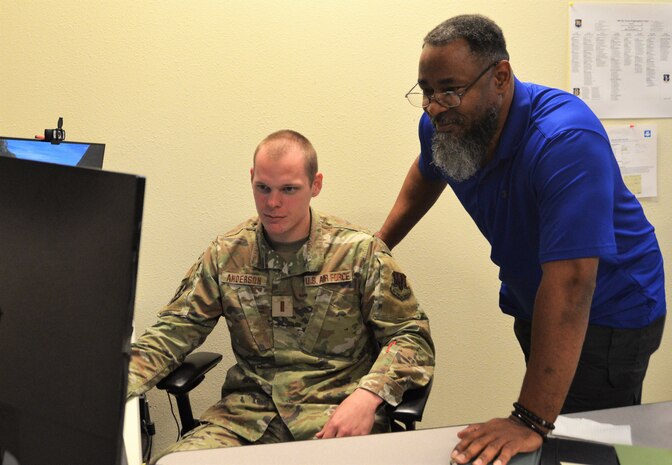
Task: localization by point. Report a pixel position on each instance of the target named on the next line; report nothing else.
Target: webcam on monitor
(55, 136)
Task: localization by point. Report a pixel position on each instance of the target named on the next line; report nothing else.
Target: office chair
(192, 372)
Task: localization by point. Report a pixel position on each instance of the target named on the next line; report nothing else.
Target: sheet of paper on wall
(621, 58)
(635, 147)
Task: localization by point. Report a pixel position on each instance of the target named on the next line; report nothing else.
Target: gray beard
(460, 156)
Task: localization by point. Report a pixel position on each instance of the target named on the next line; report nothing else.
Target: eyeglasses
(447, 99)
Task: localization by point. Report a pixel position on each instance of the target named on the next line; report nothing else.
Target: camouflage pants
(210, 436)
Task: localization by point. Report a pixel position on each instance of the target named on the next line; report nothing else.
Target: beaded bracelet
(529, 424)
(531, 416)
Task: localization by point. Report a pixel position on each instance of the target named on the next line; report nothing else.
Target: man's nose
(434, 108)
(274, 199)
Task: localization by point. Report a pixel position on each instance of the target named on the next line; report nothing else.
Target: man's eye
(263, 188)
(289, 189)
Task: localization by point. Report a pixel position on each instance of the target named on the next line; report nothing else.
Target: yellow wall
(181, 92)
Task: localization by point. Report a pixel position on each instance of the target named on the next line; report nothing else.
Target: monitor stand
(124, 459)
(7, 459)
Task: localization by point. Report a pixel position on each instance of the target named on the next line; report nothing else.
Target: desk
(132, 436)
(428, 447)
(132, 439)
(651, 425)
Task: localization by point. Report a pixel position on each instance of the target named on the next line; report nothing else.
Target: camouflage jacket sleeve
(406, 358)
(182, 326)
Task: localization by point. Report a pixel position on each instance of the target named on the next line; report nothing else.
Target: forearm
(400, 327)
(416, 197)
(559, 324)
(405, 361)
(182, 325)
(161, 349)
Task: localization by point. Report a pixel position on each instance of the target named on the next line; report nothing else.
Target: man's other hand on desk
(495, 441)
(354, 417)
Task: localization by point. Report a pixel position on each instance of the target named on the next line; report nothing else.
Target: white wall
(181, 92)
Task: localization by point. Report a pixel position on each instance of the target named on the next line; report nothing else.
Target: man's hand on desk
(354, 417)
(494, 441)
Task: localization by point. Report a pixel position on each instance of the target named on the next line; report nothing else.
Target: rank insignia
(282, 306)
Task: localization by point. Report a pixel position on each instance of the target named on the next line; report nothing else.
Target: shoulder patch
(399, 287)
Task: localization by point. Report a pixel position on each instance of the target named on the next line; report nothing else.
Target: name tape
(245, 279)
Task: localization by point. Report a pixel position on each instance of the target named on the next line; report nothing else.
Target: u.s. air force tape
(328, 278)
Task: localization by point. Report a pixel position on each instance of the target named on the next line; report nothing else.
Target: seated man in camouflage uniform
(323, 325)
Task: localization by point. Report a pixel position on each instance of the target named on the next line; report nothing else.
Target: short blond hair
(284, 139)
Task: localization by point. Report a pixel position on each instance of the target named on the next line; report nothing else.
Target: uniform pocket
(336, 327)
(251, 333)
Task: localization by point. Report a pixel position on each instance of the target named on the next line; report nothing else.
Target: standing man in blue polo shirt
(580, 266)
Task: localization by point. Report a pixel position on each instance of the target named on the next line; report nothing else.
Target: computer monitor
(69, 242)
(83, 154)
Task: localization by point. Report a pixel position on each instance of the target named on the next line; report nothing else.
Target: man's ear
(317, 185)
(503, 75)
(251, 174)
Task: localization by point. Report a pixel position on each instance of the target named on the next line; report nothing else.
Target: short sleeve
(574, 182)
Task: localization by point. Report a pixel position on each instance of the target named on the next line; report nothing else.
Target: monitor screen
(69, 242)
(83, 154)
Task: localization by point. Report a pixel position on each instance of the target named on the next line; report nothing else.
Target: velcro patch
(282, 306)
(399, 286)
(328, 278)
(245, 279)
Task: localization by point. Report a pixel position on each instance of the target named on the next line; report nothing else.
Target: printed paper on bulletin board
(635, 147)
(621, 58)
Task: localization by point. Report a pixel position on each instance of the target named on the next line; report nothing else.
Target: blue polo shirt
(553, 191)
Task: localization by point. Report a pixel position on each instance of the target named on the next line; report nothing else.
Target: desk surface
(651, 425)
(428, 447)
(132, 440)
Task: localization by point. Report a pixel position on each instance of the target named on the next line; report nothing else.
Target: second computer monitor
(82, 154)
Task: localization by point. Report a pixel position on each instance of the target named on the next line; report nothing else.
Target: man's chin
(457, 167)
(273, 227)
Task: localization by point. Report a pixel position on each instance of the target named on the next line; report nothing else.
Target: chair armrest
(412, 405)
(190, 374)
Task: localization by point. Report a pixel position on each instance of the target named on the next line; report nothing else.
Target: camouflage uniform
(306, 332)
